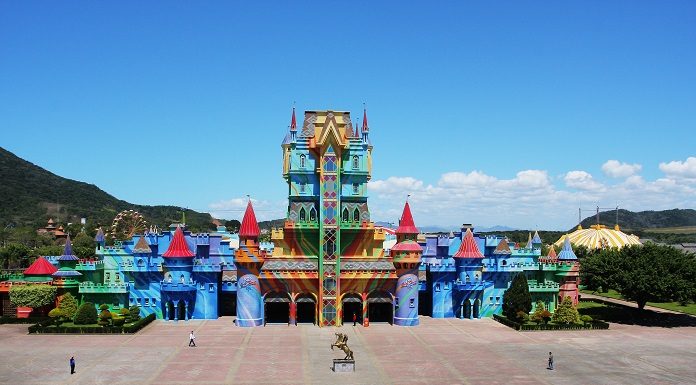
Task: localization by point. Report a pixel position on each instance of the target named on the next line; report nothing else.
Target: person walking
(355, 318)
(192, 339)
(72, 365)
(550, 367)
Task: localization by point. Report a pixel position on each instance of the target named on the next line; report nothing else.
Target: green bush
(86, 314)
(124, 312)
(68, 304)
(566, 313)
(118, 321)
(105, 317)
(522, 316)
(133, 314)
(58, 315)
(33, 296)
(537, 316)
(585, 318)
(103, 307)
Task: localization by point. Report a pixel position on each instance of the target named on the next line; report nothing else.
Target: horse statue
(342, 343)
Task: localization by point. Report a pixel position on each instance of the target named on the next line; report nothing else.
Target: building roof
(503, 248)
(66, 272)
(567, 253)
(468, 248)
(406, 225)
(249, 228)
(407, 245)
(365, 126)
(100, 236)
(67, 251)
(178, 247)
(529, 244)
(536, 240)
(142, 246)
(598, 237)
(40, 267)
(293, 121)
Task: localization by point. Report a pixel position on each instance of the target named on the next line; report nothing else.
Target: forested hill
(30, 195)
(644, 220)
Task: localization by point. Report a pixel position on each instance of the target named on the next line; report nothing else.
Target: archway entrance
(352, 303)
(170, 310)
(306, 309)
(276, 308)
(477, 309)
(181, 310)
(227, 304)
(380, 307)
(466, 309)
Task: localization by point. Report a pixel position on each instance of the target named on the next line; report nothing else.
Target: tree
(86, 314)
(517, 298)
(643, 273)
(540, 313)
(233, 225)
(68, 304)
(566, 313)
(133, 314)
(105, 316)
(33, 296)
(13, 254)
(57, 315)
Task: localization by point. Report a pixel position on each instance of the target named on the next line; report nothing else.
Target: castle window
(312, 215)
(211, 287)
(437, 287)
(303, 187)
(107, 278)
(302, 161)
(356, 215)
(356, 188)
(181, 278)
(302, 215)
(147, 301)
(448, 285)
(345, 215)
(412, 302)
(355, 162)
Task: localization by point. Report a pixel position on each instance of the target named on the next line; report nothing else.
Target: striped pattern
(598, 237)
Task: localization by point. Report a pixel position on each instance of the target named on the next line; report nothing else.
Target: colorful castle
(328, 263)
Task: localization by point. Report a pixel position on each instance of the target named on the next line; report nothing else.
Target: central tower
(327, 166)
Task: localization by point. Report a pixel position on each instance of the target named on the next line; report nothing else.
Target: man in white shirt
(192, 341)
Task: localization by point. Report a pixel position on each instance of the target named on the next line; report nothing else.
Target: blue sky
(503, 113)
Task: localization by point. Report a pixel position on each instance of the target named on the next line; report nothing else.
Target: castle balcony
(87, 265)
(104, 288)
(143, 267)
(202, 239)
(476, 285)
(206, 267)
(442, 268)
(301, 225)
(511, 268)
(178, 286)
(543, 287)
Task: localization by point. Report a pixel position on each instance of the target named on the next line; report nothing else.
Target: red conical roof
(365, 127)
(249, 228)
(552, 253)
(178, 247)
(468, 248)
(293, 122)
(406, 225)
(40, 267)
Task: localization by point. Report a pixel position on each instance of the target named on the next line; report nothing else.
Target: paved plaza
(439, 351)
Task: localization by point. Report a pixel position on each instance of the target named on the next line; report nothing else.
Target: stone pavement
(437, 352)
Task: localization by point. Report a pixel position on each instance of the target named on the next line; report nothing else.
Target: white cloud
(615, 169)
(582, 180)
(679, 169)
(234, 209)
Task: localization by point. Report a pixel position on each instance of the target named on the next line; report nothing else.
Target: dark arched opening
(306, 308)
(277, 308)
(181, 310)
(380, 307)
(351, 304)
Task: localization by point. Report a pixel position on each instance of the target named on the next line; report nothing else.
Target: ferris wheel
(126, 224)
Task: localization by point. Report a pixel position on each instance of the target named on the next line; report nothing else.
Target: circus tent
(599, 236)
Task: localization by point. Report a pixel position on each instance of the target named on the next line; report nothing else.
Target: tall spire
(249, 227)
(365, 126)
(567, 253)
(68, 252)
(293, 121)
(406, 224)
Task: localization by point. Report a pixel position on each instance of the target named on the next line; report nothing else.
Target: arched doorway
(306, 308)
(276, 308)
(477, 308)
(181, 310)
(351, 303)
(380, 307)
(227, 304)
(466, 308)
(170, 310)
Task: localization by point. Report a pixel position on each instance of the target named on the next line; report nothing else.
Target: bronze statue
(342, 343)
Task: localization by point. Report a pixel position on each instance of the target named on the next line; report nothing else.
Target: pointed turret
(178, 248)
(365, 127)
(468, 248)
(249, 228)
(567, 253)
(68, 252)
(529, 244)
(406, 224)
(293, 127)
(40, 267)
(503, 248)
(536, 240)
(142, 247)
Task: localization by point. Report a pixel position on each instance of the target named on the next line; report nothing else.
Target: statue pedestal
(340, 365)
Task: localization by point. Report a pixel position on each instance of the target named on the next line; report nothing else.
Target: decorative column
(176, 310)
(186, 310)
(293, 312)
(364, 309)
(166, 311)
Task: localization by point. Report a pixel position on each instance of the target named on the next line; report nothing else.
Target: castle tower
(66, 278)
(568, 272)
(178, 288)
(406, 255)
(469, 271)
(249, 261)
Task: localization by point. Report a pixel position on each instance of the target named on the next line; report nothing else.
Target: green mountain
(644, 220)
(30, 195)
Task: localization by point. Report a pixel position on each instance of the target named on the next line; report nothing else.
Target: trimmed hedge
(86, 314)
(594, 325)
(30, 320)
(45, 327)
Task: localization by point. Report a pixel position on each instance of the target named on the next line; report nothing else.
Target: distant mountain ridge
(643, 220)
(29, 194)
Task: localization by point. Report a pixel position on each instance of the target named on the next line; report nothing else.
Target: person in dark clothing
(550, 367)
(355, 318)
(72, 365)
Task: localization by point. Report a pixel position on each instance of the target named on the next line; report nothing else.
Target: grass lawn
(673, 306)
